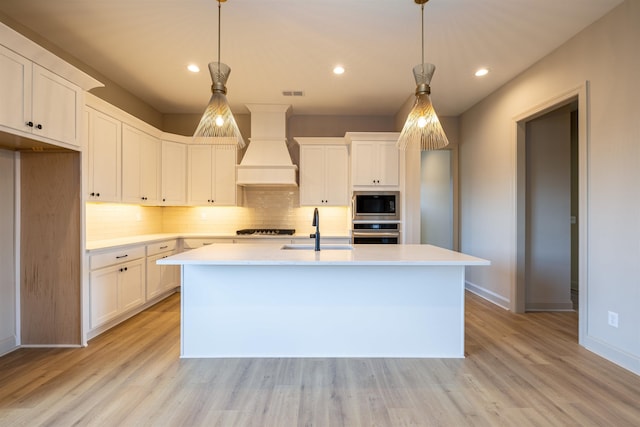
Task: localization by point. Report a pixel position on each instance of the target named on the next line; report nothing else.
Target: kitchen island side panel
(322, 311)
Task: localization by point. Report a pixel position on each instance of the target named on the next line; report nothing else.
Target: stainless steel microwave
(376, 205)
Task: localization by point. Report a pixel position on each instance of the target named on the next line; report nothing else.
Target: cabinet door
(154, 276)
(55, 107)
(149, 169)
(131, 284)
(140, 173)
(312, 175)
(103, 293)
(336, 176)
(174, 173)
(15, 90)
(365, 157)
(169, 274)
(388, 161)
(104, 157)
(200, 174)
(224, 176)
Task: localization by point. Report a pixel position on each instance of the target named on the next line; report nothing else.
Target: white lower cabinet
(116, 283)
(161, 278)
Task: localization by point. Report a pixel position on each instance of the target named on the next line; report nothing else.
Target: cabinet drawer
(115, 256)
(159, 247)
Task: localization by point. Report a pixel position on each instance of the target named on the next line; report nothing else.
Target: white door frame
(579, 93)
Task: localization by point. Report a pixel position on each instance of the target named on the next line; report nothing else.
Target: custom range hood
(267, 161)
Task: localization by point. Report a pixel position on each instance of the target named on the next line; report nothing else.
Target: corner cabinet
(36, 102)
(211, 175)
(375, 159)
(140, 167)
(324, 171)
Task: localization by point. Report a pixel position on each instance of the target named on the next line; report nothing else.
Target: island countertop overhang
(372, 255)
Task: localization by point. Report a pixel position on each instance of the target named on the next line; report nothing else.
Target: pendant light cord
(219, 21)
(422, 11)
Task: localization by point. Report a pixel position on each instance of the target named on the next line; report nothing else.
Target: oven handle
(375, 234)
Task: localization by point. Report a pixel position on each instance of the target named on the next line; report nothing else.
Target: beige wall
(111, 92)
(607, 56)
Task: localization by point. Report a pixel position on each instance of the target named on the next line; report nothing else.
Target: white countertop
(265, 254)
(149, 238)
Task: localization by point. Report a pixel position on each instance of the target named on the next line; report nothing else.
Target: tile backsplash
(259, 208)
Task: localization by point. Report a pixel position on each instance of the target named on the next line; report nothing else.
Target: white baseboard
(7, 345)
(490, 296)
(550, 306)
(615, 355)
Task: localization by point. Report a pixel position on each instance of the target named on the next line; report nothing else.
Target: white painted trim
(581, 92)
(8, 345)
(51, 346)
(490, 296)
(613, 354)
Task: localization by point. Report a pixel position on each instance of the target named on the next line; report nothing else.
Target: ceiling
(276, 45)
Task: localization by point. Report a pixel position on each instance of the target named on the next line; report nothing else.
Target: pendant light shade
(217, 125)
(422, 130)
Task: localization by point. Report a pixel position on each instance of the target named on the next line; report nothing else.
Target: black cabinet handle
(122, 256)
(97, 194)
(38, 126)
(92, 194)
(30, 124)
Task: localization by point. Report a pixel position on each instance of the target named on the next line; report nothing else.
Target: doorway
(551, 187)
(577, 94)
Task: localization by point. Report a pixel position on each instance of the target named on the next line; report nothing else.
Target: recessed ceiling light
(338, 70)
(482, 72)
(193, 68)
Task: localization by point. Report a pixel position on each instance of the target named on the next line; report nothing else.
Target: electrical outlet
(613, 319)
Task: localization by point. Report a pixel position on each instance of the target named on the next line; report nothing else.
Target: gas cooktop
(267, 231)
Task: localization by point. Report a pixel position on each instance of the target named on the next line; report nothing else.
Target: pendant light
(422, 128)
(217, 125)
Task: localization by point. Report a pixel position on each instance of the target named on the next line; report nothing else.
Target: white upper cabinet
(324, 172)
(36, 102)
(212, 175)
(174, 173)
(375, 160)
(140, 166)
(104, 150)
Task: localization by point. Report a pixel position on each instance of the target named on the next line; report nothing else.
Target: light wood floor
(520, 370)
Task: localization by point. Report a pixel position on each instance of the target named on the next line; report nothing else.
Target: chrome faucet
(316, 224)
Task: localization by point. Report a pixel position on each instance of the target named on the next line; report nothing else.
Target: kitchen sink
(312, 247)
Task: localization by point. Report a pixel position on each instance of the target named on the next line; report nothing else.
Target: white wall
(606, 55)
(8, 334)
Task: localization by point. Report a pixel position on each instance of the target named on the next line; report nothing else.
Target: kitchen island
(369, 301)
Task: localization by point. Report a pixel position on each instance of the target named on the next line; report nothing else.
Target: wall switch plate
(613, 319)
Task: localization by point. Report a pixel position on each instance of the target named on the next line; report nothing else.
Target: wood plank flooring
(520, 370)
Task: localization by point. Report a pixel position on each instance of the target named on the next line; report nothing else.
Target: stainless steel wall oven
(376, 233)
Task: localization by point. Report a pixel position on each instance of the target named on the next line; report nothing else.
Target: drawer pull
(164, 247)
(122, 256)
(206, 243)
